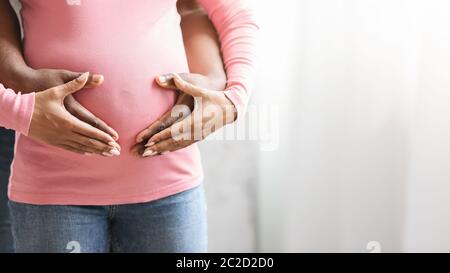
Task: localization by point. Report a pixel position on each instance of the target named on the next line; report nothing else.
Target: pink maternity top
(129, 42)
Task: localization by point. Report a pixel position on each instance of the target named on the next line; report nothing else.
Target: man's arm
(13, 69)
(201, 43)
(200, 38)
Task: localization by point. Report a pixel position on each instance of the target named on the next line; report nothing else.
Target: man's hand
(199, 111)
(52, 124)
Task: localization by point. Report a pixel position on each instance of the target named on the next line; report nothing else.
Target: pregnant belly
(129, 100)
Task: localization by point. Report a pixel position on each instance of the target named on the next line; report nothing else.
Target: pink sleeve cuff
(239, 98)
(16, 110)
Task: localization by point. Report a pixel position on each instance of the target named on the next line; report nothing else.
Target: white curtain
(363, 92)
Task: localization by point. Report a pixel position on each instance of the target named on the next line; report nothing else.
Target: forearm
(13, 68)
(201, 43)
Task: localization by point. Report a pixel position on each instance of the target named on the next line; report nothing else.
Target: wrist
(21, 78)
(218, 81)
(229, 109)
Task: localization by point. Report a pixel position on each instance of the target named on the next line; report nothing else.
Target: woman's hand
(54, 125)
(199, 111)
(42, 79)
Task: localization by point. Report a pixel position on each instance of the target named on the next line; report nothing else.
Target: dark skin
(163, 135)
(80, 124)
(203, 53)
(186, 126)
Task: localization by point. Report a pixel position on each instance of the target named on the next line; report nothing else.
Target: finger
(167, 120)
(72, 86)
(81, 148)
(166, 81)
(178, 136)
(168, 145)
(184, 126)
(90, 150)
(161, 136)
(159, 148)
(71, 149)
(180, 111)
(96, 145)
(91, 132)
(85, 115)
(94, 80)
(154, 128)
(76, 147)
(138, 149)
(187, 87)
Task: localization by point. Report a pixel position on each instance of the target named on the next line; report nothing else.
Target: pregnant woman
(144, 194)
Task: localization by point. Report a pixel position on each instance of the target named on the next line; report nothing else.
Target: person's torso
(129, 42)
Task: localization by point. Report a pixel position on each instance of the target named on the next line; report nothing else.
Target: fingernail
(165, 78)
(148, 153)
(114, 152)
(107, 154)
(139, 140)
(97, 78)
(162, 79)
(150, 144)
(88, 154)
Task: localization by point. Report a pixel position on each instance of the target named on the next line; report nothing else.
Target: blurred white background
(363, 91)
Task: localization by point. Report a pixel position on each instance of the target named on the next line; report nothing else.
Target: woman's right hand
(54, 125)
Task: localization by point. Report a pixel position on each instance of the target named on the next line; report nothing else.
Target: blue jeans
(6, 155)
(176, 224)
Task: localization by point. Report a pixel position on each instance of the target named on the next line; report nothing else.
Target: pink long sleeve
(16, 110)
(237, 29)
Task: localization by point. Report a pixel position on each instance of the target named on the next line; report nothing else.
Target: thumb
(94, 80)
(73, 86)
(167, 80)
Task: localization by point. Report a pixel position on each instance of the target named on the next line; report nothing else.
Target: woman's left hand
(198, 112)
